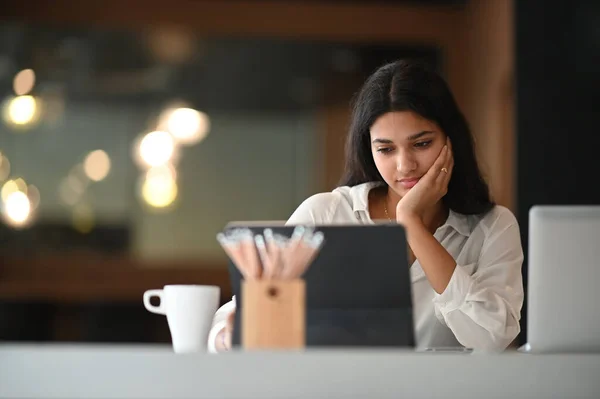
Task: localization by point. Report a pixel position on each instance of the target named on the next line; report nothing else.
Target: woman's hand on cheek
(429, 190)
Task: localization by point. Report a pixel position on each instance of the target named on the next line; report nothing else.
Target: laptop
(358, 288)
(564, 278)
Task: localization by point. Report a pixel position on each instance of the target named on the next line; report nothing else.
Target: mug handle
(151, 308)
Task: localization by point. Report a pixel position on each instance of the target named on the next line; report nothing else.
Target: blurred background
(132, 131)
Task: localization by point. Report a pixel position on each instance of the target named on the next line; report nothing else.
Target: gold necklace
(386, 212)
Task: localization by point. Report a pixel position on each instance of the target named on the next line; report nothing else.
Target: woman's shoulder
(316, 209)
(325, 207)
(499, 214)
(496, 230)
(322, 201)
(497, 220)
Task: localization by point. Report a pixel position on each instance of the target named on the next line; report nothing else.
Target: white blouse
(481, 306)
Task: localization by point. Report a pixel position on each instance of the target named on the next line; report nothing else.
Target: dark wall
(558, 105)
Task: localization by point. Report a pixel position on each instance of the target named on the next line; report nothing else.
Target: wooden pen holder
(273, 314)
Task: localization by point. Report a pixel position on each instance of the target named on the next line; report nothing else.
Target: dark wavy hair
(412, 86)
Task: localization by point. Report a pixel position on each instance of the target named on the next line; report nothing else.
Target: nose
(405, 162)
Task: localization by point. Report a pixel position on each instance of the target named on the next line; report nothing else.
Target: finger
(448, 159)
(443, 157)
(450, 167)
(446, 172)
(442, 176)
(436, 169)
(437, 166)
(446, 169)
(449, 155)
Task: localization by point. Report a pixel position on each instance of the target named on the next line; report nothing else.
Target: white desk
(148, 372)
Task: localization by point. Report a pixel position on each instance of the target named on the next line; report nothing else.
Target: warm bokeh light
(21, 185)
(21, 110)
(78, 179)
(83, 218)
(17, 208)
(157, 148)
(97, 165)
(7, 189)
(72, 187)
(67, 193)
(187, 125)
(34, 196)
(23, 82)
(4, 168)
(159, 187)
(18, 201)
(166, 171)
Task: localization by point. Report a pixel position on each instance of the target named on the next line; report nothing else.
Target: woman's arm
(427, 194)
(435, 261)
(482, 309)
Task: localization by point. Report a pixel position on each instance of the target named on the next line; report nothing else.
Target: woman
(410, 158)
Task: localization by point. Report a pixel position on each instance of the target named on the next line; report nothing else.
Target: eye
(423, 144)
(385, 150)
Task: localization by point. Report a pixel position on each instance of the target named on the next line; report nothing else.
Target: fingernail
(317, 239)
(298, 232)
(259, 240)
(268, 234)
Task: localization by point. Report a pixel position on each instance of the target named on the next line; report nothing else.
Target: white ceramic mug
(189, 310)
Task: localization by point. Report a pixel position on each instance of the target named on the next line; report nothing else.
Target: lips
(409, 183)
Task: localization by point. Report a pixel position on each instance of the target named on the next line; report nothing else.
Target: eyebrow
(409, 138)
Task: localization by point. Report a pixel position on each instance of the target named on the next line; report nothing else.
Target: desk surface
(148, 372)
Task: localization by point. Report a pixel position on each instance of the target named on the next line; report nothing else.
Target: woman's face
(404, 146)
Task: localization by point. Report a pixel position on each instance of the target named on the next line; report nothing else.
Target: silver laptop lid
(564, 279)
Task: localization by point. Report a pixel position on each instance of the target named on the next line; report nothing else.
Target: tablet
(358, 288)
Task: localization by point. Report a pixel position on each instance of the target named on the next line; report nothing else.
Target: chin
(399, 190)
